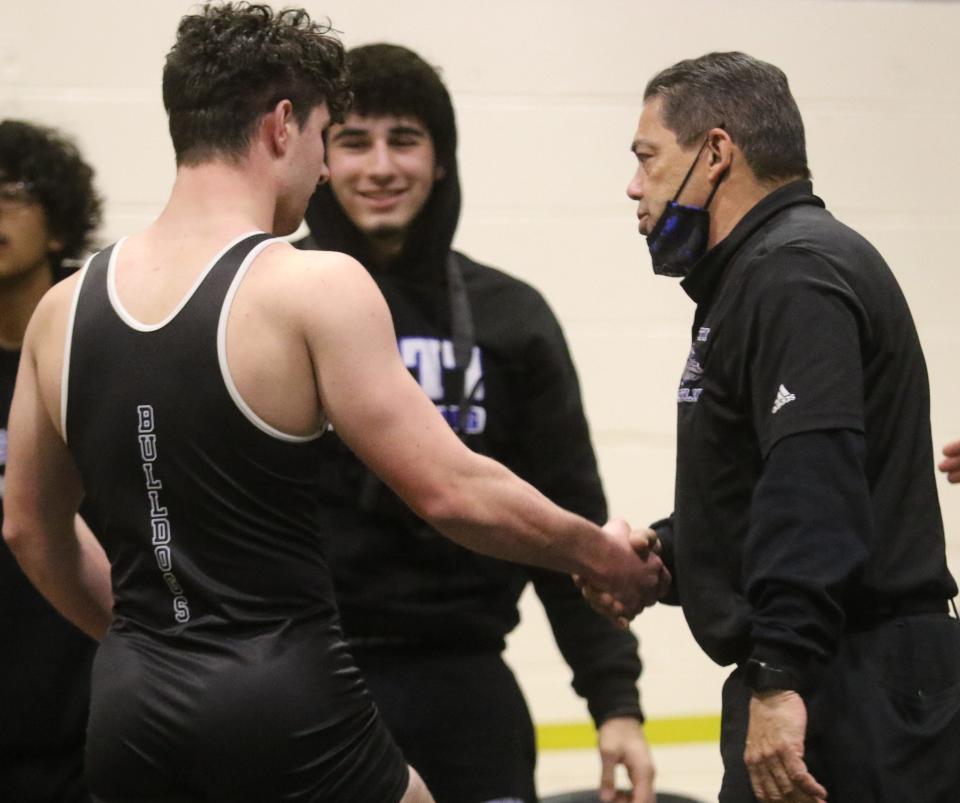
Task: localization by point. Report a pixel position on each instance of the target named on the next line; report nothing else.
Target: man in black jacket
(426, 618)
(806, 545)
(48, 212)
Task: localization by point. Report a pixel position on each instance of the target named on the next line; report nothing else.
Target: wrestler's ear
(276, 127)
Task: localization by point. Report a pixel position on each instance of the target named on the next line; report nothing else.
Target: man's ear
(275, 127)
(720, 152)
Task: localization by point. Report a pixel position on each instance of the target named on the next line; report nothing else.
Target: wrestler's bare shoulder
(290, 276)
(54, 307)
(287, 263)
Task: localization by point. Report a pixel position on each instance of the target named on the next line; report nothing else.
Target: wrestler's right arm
(382, 414)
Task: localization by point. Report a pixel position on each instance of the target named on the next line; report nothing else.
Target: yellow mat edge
(665, 730)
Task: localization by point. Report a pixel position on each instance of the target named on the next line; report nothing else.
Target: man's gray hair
(748, 98)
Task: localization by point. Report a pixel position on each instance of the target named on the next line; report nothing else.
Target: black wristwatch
(761, 676)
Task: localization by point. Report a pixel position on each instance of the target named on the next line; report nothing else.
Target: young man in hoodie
(427, 619)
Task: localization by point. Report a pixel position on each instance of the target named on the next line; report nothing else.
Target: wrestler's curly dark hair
(60, 180)
(233, 62)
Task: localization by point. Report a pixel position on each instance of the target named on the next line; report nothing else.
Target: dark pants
(883, 724)
(46, 779)
(459, 718)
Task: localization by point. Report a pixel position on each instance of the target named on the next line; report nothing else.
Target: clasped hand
(639, 580)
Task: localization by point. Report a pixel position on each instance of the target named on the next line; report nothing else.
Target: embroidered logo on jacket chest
(690, 389)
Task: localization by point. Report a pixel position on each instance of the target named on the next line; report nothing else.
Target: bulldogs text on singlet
(159, 520)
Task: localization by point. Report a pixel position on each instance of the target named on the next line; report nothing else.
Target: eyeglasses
(16, 193)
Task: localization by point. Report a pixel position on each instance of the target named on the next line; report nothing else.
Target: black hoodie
(397, 579)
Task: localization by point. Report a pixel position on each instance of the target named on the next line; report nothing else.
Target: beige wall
(547, 93)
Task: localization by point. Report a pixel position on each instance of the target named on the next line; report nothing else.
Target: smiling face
(661, 166)
(382, 171)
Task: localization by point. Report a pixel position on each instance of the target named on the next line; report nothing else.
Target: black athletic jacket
(806, 503)
(396, 578)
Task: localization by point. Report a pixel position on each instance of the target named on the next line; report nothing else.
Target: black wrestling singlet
(224, 676)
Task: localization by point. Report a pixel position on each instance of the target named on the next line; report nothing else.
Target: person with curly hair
(222, 674)
(49, 211)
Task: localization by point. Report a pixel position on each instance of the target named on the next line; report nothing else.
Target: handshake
(630, 576)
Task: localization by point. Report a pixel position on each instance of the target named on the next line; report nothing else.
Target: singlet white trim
(139, 326)
(68, 345)
(242, 405)
(303, 230)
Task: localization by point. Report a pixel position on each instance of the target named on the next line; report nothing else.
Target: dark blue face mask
(679, 238)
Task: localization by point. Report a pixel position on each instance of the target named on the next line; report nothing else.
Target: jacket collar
(702, 281)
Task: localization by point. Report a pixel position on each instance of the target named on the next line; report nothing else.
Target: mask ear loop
(714, 190)
(686, 178)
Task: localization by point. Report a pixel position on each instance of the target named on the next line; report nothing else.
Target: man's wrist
(632, 713)
(761, 676)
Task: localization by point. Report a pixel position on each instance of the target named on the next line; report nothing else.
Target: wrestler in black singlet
(223, 676)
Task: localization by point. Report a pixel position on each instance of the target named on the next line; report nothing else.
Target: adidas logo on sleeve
(784, 396)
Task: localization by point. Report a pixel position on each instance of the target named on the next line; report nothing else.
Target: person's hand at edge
(621, 740)
(774, 750)
(951, 465)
